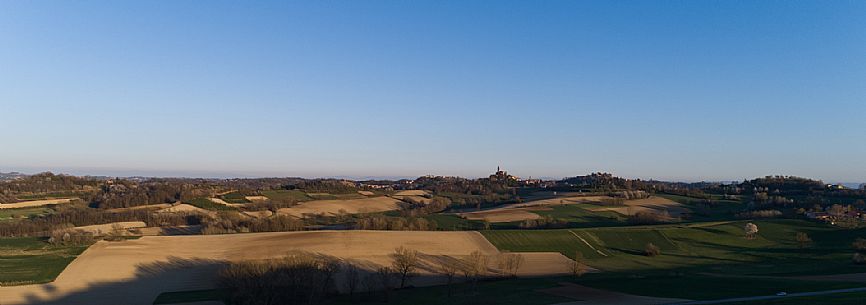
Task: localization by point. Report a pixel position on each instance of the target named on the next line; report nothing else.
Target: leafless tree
(509, 263)
(474, 267)
(353, 278)
(405, 262)
(449, 269)
(385, 275)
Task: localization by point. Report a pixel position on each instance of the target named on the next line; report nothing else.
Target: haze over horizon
(680, 91)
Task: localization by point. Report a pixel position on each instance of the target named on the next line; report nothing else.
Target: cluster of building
(832, 215)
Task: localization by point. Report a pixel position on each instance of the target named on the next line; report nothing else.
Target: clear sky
(682, 90)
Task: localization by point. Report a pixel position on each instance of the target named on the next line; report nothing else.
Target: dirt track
(136, 271)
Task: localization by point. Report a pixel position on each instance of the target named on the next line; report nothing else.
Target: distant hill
(11, 176)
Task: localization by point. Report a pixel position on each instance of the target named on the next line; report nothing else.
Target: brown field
(109, 227)
(419, 199)
(223, 202)
(503, 215)
(674, 208)
(34, 203)
(136, 271)
(366, 193)
(333, 207)
(257, 198)
(140, 207)
(185, 208)
(258, 214)
(412, 193)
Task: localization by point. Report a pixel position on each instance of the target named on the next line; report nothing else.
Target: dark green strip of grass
(191, 296)
(206, 204)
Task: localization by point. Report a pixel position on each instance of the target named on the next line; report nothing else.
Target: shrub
(70, 238)
(652, 250)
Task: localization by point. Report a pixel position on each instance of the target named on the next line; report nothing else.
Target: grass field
(700, 260)
(525, 290)
(191, 296)
(29, 260)
(206, 204)
(451, 222)
(704, 287)
(6, 214)
(234, 197)
(827, 299)
(52, 195)
(706, 247)
(506, 292)
(717, 209)
(278, 195)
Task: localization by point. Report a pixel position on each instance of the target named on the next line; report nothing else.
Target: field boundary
(587, 243)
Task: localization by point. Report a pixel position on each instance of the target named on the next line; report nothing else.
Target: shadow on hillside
(179, 274)
(149, 281)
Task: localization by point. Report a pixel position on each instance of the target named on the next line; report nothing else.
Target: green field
(505, 292)
(718, 247)
(206, 204)
(190, 296)
(29, 260)
(451, 222)
(51, 195)
(699, 260)
(716, 209)
(827, 299)
(234, 197)
(704, 287)
(286, 195)
(6, 214)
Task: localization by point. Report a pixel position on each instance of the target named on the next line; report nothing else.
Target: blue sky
(682, 90)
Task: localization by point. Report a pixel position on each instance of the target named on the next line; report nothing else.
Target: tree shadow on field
(179, 274)
(149, 281)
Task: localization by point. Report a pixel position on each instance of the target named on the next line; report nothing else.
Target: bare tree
(751, 230)
(449, 268)
(353, 278)
(385, 275)
(405, 262)
(474, 267)
(509, 263)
